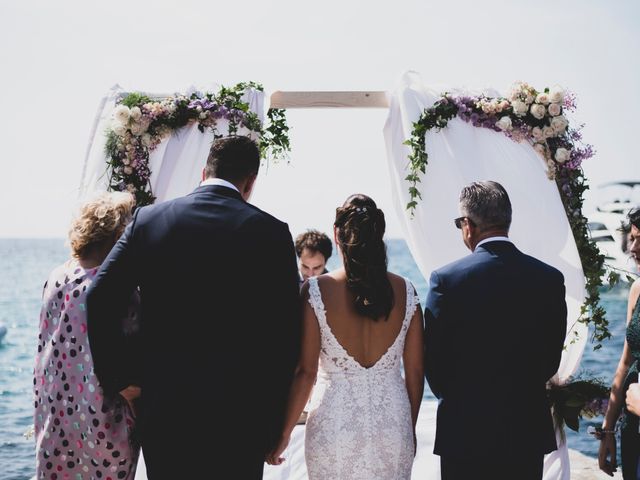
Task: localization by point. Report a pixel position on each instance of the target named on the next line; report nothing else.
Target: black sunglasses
(458, 221)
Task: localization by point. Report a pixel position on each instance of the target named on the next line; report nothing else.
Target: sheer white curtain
(176, 163)
(458, 155)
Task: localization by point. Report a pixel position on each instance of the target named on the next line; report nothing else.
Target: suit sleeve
(434, 338)
(556, 316)
(281, 308)
(108, 302)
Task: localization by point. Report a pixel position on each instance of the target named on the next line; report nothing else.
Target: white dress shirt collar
(493, 239)
(221, 182)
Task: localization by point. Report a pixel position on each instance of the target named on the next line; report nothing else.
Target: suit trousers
(529, 468)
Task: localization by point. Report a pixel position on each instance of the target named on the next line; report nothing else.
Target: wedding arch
(155, 147)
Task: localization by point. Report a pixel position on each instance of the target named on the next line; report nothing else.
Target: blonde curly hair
(103, 216)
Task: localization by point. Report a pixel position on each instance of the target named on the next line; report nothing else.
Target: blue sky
(59, 58)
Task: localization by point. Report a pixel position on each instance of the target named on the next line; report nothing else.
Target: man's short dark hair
(316, 242)
(233, 158)
(487, 204)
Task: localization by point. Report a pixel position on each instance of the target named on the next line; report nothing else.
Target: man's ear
(248, 186)
(204, 175)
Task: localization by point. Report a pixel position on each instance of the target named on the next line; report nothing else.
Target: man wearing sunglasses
(495, 329)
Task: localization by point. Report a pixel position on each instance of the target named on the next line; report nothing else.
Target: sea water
(25, 265)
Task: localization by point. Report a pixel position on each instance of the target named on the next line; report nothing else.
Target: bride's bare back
(364, 339)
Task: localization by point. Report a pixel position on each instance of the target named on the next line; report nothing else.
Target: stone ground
(586, 468)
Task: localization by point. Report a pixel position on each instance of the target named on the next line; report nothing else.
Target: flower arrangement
(578, 398)
(141, 123)
(536, 117)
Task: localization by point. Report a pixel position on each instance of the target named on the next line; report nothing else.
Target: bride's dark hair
(359, 230)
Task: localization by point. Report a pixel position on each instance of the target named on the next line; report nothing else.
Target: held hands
(633, 398)
(607, 455)
(274, 458)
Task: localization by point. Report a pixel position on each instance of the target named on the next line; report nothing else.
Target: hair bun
(360, 228)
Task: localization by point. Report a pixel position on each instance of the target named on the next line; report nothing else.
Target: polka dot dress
(80, 435)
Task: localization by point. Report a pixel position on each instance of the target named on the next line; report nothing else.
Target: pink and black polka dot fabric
(80, 435)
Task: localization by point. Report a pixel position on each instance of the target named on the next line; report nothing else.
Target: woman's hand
(633, 398)
(607, 459)
(274, 457)
(130, 394)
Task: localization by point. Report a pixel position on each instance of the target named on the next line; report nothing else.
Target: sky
(59, 58)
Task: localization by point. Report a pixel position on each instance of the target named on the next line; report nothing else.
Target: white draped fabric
(176, 163)
(458, 155)
(426, 465)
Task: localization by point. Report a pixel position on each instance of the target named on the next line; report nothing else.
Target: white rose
(529, 100)
(128, 170)
(548, 132)
(538, 111)
(146, 140)
(562, 155)
(559, 124)
(119, 129)
(136, 113)
(554, 109)
(504, 123)
(126, 161)
(537, 133)
(122, 114)
(519, 107)
(137, 129)
(542, 98)
(556, 95)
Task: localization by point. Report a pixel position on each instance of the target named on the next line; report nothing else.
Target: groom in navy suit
(495, 329)
(219, 342)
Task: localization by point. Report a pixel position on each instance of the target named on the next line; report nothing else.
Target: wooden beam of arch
(363, 99)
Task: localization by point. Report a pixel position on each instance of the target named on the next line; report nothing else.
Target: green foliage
(128, 153)
(435, 117)
(135, 99)
(571, 185)
(576, 399)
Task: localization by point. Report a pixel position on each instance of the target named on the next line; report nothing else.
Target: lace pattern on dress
(362, 427)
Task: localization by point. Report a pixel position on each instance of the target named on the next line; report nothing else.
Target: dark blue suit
(220, 328)
(495, 329)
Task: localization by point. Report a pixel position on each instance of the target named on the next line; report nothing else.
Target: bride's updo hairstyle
(359, 230)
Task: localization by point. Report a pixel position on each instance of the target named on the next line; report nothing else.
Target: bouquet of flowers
(576, 399)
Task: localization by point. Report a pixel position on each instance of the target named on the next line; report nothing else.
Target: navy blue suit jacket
(220, 327)
(495, 328)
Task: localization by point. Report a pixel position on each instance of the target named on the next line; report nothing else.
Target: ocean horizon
(26, 263)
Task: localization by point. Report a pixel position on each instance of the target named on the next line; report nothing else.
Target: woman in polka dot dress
(80, 434)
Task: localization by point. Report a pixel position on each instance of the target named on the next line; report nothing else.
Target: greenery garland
(578, 398)
(538, 118)
(141, 123)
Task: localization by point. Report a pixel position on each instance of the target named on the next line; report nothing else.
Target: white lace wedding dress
(361, 428)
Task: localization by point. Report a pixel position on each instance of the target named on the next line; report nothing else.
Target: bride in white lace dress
(361, 322)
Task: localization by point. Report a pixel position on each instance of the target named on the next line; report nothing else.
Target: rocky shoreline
(586, 468)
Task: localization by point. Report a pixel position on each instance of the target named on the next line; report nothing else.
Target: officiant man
(495, 328)
(313, 249)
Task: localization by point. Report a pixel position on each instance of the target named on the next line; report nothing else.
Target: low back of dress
(361, 428)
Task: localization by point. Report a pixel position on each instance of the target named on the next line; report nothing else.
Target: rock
(586, 468)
